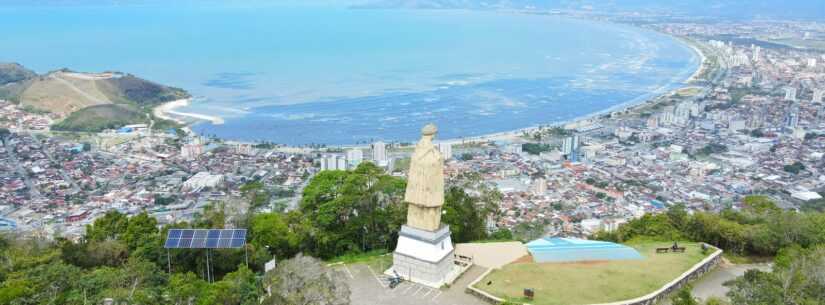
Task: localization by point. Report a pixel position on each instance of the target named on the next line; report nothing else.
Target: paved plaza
(371, 287)
(492, 255)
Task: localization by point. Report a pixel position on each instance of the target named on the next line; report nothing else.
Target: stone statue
(425, 183)
(424, 252)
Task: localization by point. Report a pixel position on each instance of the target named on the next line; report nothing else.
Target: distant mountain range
(796, 9)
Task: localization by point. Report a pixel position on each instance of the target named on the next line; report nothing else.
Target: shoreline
(592, 118)
(167, 109)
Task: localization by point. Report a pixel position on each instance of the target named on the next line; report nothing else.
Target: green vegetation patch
(12, 73)
(593, 282)
(535, 148)
(101, 117)
(143, 92)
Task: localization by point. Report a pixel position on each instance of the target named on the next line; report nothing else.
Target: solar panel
(200, 234)
(211, 243)
(187, 233)
(172, 243)
(205, 238)
(214, 234)
(198, 243)
(227, 233)
(240, 234)
(174, 233)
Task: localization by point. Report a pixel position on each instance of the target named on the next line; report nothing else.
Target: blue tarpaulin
(574, 250)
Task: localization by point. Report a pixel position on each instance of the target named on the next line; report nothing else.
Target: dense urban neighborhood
(752, 121)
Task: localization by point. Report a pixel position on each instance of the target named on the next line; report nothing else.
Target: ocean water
(327, 74)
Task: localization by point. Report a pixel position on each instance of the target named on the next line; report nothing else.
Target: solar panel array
(205, 238)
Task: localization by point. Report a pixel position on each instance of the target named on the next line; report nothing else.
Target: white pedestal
(425, 257)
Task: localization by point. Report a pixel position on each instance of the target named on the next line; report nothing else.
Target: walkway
(371, 287)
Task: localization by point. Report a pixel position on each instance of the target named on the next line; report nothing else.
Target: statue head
(429, 130)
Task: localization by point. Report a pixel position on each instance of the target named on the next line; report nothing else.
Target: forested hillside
(342, 213)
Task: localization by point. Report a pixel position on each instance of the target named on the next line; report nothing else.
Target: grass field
(376, 259)
(592, 282)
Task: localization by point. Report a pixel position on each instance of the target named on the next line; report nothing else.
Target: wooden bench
(662, 250)
(679, 249)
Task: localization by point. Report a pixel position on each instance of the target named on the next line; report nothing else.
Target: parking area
(371, 287)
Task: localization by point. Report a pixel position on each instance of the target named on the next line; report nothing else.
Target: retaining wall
(650, 299)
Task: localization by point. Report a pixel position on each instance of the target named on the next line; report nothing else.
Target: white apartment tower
(333, 162)
(379, 153)
(792, 118)
(667, 117)
(539, 186)
(756, 51)
(790, 94)
(570, 145)
(817, 97)
(191, 151)
(446, 150)
(354, 158)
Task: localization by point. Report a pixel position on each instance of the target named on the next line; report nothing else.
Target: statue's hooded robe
(425, 183)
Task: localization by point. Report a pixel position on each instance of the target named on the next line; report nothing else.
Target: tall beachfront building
(354, 158)
(446, 150)
(379, 153)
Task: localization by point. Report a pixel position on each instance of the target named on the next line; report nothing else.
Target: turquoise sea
(328, 74)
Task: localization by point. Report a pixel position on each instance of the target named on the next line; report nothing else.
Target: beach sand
(167, 111)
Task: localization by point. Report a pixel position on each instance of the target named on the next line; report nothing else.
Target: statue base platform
(425, 257)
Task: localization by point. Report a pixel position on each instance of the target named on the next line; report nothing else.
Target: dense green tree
(794, 168)
(185, 288)
(212, 217)
(464, 216)
(236, 288)
(760, 204)
(535, 148)
(110, 226)
(138, 228)
(350, 211)
(683, 297)
(256, 194)
(272, 230)
(755, 288)
(502, 234)
(759, 229)
(715, 301)
(41, 284)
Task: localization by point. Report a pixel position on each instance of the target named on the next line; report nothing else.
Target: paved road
(711, 284)
(299, 192)
(33, 191)
(66, 177)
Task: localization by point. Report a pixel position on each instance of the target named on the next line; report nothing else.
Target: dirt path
(78, 91)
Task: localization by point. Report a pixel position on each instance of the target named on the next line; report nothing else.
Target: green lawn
(592, 282)
(377, 259)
